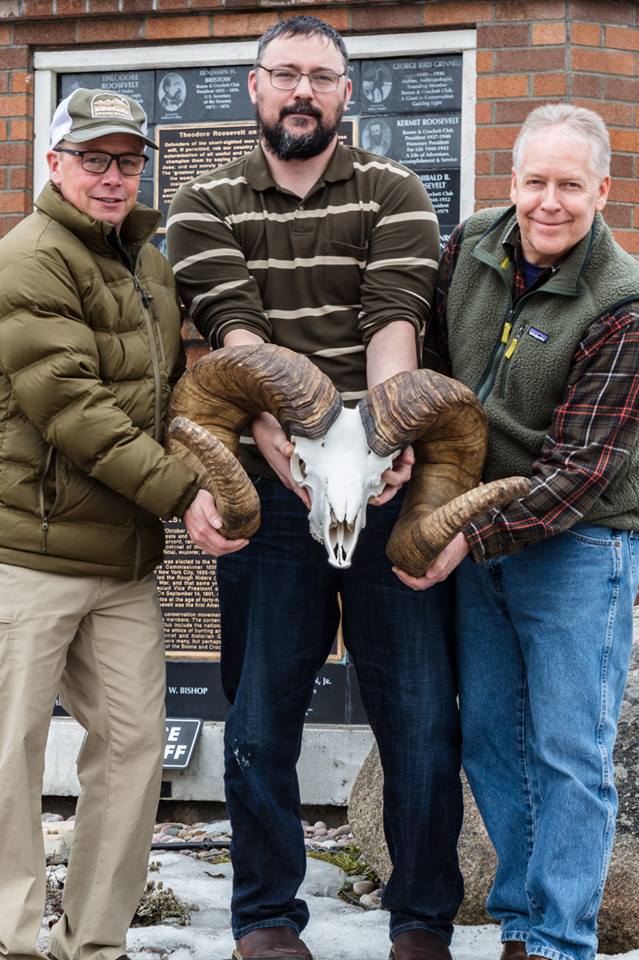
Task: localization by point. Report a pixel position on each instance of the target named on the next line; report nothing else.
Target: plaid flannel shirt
(592, 431)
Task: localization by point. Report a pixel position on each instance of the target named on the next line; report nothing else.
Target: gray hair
(578, 122)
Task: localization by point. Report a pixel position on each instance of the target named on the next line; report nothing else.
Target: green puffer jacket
(88, 354)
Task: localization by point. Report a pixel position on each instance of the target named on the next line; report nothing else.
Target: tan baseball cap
(88, 114)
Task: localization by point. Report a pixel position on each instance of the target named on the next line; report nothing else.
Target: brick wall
(583, 51)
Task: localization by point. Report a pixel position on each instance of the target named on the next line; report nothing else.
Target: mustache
(303, 106)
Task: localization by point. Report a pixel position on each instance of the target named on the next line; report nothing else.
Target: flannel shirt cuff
(486, 542)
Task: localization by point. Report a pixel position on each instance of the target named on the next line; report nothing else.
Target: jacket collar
(495, 248)
(138, 227)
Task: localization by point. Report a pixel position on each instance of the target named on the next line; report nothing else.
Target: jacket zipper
(138, 549)
(504, 350)
(490, 372)
(146, 299)
(512, 346)
(506, 345)
(146, 302)
(44, 515)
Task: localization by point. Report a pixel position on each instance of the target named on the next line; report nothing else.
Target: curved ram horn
(222, 392)
(222, 475)
(419, 535)
(447, 426)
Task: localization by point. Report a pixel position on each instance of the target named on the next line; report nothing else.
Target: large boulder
(475, 851)
(619, 917)
(627, 749)
(365, 815)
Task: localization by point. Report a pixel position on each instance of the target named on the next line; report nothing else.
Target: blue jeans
(544, 641)
(279, 604)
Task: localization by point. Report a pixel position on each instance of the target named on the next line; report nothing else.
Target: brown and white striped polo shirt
(319, 275)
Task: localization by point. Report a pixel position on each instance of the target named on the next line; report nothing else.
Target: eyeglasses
(129, 164)
(321, 81)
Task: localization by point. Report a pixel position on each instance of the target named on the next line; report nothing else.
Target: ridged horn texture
(222, 475)
(221, 393)
(418, 536)
(447, 426)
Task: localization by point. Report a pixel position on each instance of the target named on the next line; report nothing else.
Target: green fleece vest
(517, 357)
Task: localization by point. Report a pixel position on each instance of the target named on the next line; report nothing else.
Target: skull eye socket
(302, 467)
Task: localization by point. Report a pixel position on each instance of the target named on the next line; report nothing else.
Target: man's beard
(287, 146)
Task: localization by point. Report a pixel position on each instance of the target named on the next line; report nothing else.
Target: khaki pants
(99, 642)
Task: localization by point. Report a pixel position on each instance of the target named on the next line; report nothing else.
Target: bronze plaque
(188, 596)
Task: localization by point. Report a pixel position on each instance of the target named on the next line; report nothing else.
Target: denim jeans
(279, 604)
(544, 640)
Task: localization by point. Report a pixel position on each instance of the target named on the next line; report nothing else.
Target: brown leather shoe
(419, 945)
(271, 943)
(513, 950)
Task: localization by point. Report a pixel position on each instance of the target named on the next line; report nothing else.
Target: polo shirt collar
(340, 166)
(257, 171)
(258, 175)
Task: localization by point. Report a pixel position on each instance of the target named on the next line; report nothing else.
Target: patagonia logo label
(538, 334)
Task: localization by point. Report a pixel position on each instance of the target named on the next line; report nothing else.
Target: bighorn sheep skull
(443, 420)
(342, 473)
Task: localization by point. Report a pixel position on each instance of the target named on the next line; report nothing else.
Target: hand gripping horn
(447, 426)
(215, 400)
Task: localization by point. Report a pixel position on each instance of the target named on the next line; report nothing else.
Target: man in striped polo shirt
(331, 251)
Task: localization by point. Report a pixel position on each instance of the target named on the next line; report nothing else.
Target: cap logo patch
(110, 108)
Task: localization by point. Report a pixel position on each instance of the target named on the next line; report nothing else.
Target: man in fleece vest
(537, 312)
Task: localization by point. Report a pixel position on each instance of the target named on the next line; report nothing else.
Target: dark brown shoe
(419, 945)
(271, 943)
(514, 950)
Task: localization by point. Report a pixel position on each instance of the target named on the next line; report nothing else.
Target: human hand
(395, 477)
(441, 567)
(277, 450)
(202, 522)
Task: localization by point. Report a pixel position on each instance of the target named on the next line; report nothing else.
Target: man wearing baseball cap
(89, 347)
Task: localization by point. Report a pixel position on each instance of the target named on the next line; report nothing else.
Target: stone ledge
(331, 758)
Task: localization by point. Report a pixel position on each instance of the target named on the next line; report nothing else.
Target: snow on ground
(337, 931)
